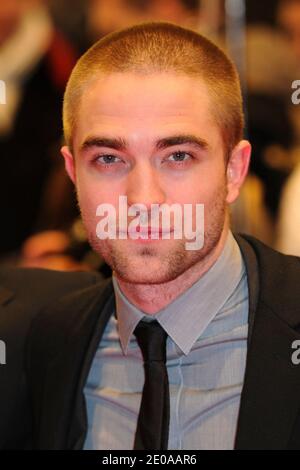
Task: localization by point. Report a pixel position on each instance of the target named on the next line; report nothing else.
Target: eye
(179, 157)
(108, 159)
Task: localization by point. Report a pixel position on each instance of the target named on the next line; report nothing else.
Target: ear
(237, 169)
(69, 163)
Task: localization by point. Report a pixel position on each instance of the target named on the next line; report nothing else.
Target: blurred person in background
(271, 68)
(104, 17)
(91, 19)
(289, 20)
(288, 228)
(35, 62)
(182, 12)
(70, 17)
(288, 241)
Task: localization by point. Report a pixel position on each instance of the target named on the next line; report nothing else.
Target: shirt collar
(186, 318)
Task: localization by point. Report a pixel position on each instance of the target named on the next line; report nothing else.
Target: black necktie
(153, 421)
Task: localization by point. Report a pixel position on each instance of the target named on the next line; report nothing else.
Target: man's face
(142, 110)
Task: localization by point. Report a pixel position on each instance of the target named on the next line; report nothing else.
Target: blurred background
(40, 41)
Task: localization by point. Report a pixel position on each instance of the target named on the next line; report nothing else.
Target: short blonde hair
(161, 47)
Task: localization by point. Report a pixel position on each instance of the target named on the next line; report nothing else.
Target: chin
(141, 272)
(138, 278)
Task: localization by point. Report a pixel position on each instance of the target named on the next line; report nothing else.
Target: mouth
(148, 232)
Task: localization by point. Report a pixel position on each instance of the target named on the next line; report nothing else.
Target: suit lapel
(270, 396)
(78, 426)
(271, 390)
(58, 389)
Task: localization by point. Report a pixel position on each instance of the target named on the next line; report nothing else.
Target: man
(23, 294)
(153, 113)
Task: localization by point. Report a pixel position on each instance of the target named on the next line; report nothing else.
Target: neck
(151, 298)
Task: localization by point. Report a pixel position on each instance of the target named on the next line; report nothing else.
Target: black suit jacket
(23, 294)
(64, 339)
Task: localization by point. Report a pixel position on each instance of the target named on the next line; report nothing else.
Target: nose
(144, 186)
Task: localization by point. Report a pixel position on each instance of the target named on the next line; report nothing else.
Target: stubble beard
(151, 265)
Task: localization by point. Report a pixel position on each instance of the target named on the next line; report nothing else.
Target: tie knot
(151, 338)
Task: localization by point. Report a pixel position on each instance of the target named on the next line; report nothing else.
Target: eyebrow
(120, 144)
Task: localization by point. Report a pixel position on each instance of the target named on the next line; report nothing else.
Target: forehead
(131, 103)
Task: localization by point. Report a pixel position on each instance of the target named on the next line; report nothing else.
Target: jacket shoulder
(279, 277)
(65, 314)
(31, 286)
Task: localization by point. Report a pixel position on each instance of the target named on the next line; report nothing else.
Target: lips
(153, 231)
(149, 231)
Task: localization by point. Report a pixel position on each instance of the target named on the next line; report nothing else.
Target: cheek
(203, 187)
(91, 194)
(88, 199)
(88, 210)
(90, 191)
(88, 196)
